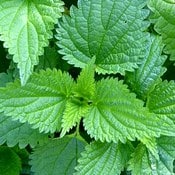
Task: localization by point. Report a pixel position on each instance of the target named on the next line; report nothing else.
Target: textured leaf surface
(166, 147)
(9, 162)
(116, 114)
(13, 132)
(57, 157)
(103, 158)
(112, 31)
(85, 86)
(40, 102)
(164, 20)
(162, 100)
(26, 26)
(144, 163)
(83, 93)
(151, 144)
(144, 79)
(73, 113)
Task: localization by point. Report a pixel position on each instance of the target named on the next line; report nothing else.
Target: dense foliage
(87, 87)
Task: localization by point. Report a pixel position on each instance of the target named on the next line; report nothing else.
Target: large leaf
(144, 163)
(116, 114)
(40, 102)
(112, 31)
(10, 163)
(13, 132)
(162, 100)
(103, 158)
(25, 27)
(145, 78)
(164, 20)
(58, 156)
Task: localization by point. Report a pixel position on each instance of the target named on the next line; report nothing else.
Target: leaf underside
(112, 31)
(25, 27)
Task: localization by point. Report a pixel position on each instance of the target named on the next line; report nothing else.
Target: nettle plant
(87, 90)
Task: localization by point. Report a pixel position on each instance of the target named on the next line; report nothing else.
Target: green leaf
(151, 144)
(4, 78)
(145, 78)
(85, 86)
(58, 156)
(13, 132)
(72, 115)
(164, 20)
(140, 163)
(50, 59)
(166, 147)
(144, 163)
(10, 163)
(116, 114)
(162, 100)
(25, 27)
(78, 106)
(112, 31)
(41, 102)
(103, 158)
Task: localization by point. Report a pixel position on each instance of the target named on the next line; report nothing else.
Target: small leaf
(10, 163)
(112, 31)
(58, 156)
(162, 100)
(116, 114)
(78, 106)
(41, 102)
(164, 19)
(85, 86)
(25, 27)
(145, 78)
(103, 158)
(72, 115)
(13, 132)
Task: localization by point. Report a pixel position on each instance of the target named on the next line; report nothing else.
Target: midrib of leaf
(55, 163)
(106, 27)
(119, 119)
(106, 30)
(119, 39)
(110, 122)
(26, 28)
